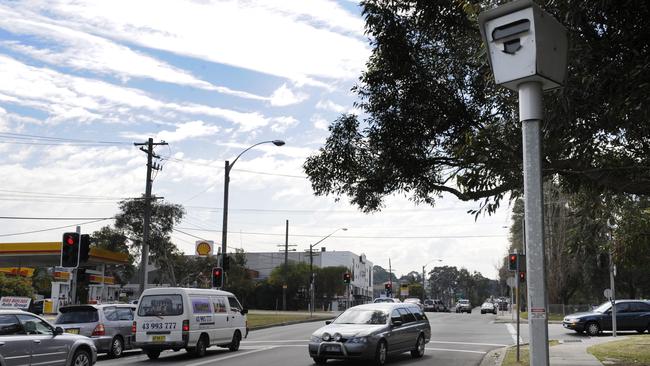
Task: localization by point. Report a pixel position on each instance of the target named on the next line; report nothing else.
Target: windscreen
(160, 305)
(362, 316)
(603, 307)
(76, 316)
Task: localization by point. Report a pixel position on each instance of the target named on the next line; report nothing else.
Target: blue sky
(210, 78)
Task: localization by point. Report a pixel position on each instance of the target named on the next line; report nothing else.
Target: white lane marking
(471, 344)
(513, 333)
(217, 359)
(454, 350)
(288, 341)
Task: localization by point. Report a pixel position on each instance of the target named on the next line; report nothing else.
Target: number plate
(332, 349)
(72, 330)
(158, 338)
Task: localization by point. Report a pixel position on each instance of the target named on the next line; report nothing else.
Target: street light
(311, 270)
(424, 294)
(226, 182)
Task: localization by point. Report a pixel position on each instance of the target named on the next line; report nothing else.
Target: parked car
(190, 318)
(372, 331)
(488, 307)
(440, 306)
(630, 315)
(430, 306)
(29, 339)
(386, 299)
(108, 326)
(463, 306)
(416, 301)
(502, 304)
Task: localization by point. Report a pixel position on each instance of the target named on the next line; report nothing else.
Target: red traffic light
(522, 276)
(512, 262)
(217, 272)
(69, 240)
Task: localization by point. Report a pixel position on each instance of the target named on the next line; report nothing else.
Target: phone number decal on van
(154, 326)
(204, 320)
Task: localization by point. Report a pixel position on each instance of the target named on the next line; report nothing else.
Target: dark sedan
(630, 315)
(372, 332)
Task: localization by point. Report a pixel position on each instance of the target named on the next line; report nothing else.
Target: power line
(52, 228)
(59, 140)
(176, 160)
(54, 218)
(356, 237)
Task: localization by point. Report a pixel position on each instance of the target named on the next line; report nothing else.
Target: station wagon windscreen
(76, 316)
(359, 316)
(160, 305)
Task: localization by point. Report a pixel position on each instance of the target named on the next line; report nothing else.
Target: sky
(82, 80)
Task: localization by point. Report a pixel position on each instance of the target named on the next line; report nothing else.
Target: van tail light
(99, 330)
(186, 325)
(134, 328)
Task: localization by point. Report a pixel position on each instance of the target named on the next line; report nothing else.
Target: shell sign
(204, 248)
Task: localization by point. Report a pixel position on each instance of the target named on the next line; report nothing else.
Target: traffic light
(512, 262)
(217, 277)
(346, 277)
(70, 250)
(522, 276)
(84, 250)
(388, 287)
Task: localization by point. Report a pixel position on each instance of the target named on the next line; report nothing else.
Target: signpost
(527, 51)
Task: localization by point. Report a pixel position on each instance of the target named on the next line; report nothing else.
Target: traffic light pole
(73, 277)
(286, 267)
(517, 296)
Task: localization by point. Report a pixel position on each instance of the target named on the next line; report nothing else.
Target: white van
(190, 318)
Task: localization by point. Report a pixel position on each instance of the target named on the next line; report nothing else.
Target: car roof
(388, 306)
(184, 290)
(13, 311)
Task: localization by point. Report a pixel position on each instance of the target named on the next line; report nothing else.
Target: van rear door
(160, 318)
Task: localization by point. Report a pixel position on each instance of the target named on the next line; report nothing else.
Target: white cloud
(320, 122)
(284, 96)
(281, 124)
(81, 50)
(330, 106)
(183, 131)
(318, 41)
(65, 97)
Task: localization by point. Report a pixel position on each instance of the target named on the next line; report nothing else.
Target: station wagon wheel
(381, 353)
(81, 358)
(117, 347)
(592, 329)
(320, 360)
(419, 348)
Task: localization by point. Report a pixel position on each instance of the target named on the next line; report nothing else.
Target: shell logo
(203, 248)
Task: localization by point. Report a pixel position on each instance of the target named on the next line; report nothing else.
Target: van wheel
(201, 346)
(153, 355)
(117, 347)
(236, 340)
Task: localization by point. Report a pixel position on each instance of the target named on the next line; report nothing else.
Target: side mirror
(244, 311)
(58, 331)
(328, 322)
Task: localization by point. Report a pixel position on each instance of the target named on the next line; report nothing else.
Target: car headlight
(337, 337)
(574, 320)
(326, 337)
(315, 339)
(358, 340)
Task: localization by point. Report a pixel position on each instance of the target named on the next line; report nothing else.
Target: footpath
(569, 352)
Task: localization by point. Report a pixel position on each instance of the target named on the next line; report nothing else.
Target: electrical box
(524, 43)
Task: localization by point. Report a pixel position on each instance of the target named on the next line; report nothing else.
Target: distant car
(29, 339)
(385, 299)
(630, 315)
(463, 306)
(108, 326)
(372, 332)
(440, 306)
(430, 306)
(502, 305)
(488, 307)
(416, 301)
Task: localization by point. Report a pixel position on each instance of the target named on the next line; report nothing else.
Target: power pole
(147, 207)
(390, 278)
(286, 267)
(424, 293)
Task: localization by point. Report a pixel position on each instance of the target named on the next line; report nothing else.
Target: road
(457, 339)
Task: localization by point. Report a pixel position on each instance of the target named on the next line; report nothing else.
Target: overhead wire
(52, 228)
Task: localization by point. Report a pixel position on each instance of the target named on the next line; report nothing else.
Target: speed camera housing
(524, 43)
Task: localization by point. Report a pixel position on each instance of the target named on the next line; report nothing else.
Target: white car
(194, 319)
(488, 307)
(386, 299)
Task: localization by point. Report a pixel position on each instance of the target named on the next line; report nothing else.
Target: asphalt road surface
(457, 339)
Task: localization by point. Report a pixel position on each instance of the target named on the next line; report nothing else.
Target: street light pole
(226, 183)
(311, 270)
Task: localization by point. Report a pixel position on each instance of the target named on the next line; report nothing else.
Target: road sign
(511, 282)
(204, 248)
(608, 293)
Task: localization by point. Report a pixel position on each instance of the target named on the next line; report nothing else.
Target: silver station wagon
(372, 332)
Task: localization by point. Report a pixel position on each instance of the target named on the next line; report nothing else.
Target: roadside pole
(517, 303)
(612, 273)
(75, 272)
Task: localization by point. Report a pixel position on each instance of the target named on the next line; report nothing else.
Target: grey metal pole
(224, 225)
(531, 115)
(311, 281)
(518, 307)
(286, 267)
(612, 284)
(423, 292)
(75, 272)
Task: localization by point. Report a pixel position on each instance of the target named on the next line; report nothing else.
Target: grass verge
(259, 320)
(551, 316)
(511, 355)
(634, 350)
